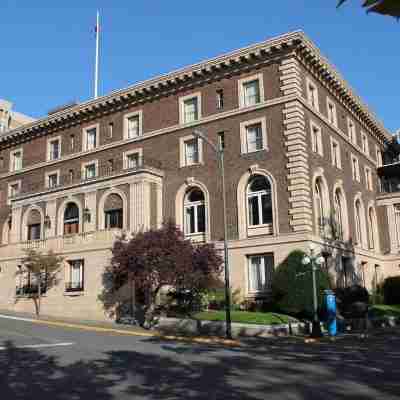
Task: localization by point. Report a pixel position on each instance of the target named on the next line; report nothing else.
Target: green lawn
(245, 317)
(382, 310)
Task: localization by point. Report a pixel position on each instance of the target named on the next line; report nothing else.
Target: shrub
(345, 297)
(292, 289)
(391, 290)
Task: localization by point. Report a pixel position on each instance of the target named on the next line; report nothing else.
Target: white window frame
(364, 143)
(368, 177)
(10, 184)
(49, 142)
(48, 174)
(316, 142)
(243, 81)
(182, 150)
(195, 205)
(267, 279)
(68, 275)
(84, 136)
(351, 130)
(128, 153)
(243, 134)
(182, 101)
(12, 153)
(139, 114)
(337, 156)
(83, 169)
(332, 116)
(355, 173)
(312, 101)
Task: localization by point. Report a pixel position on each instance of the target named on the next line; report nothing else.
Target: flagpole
(96, 71)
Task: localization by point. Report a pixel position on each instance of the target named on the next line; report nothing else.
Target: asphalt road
(41, 362)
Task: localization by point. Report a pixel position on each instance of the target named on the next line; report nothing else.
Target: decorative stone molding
(291, 82)
(300, 204)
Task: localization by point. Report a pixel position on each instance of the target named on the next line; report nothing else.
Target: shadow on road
(273, 369)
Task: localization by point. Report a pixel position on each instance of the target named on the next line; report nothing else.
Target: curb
(158, 335)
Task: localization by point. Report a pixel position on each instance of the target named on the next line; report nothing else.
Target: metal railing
(106, 169)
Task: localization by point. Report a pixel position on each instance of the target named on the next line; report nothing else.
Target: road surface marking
(37, 346)
(154, 334)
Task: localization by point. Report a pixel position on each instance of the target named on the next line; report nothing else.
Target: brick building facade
(302, 157)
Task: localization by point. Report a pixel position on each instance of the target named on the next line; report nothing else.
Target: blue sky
(47, 47)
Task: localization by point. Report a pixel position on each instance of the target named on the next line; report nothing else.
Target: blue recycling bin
(330, 301)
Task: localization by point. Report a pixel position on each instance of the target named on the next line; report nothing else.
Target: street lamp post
(315, 261)
(220, 154)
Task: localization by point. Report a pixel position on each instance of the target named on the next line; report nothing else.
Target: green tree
(292, 288)
(44, 270)
(384, 7)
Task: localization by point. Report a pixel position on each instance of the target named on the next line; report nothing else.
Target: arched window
(338, 207)
(113, 211)
(259, 201)
(397, 222)
(34, 225)
(371, 228)
(194, 212)
(358, 222)
(319, 204)
(71, 219)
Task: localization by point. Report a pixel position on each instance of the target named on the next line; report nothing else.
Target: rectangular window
(89, 171)
(221, 140)
(355, 168)
(132, 160)
(110, 130)
(331, 111)
(16, 160)
(220, 99)
(316, 139)
(54, 149)
(91, 139)
(34, 231)
(52, 180)
(365, 145)
(335, 154)
(74, 281)
(251, 93)
(312, 94)
(351, 130)
(72, 142)
(191, 111)
(14, 189)
(260, 270)
(251, 90)
(113, 219)
(368, 178)
(133, 126)
(190, 108)
(192, 151)
(253, 135)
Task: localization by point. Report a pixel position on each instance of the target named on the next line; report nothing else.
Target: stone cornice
(194, 74)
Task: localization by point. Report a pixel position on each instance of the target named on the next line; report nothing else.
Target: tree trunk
(39, 297)
(150, 308)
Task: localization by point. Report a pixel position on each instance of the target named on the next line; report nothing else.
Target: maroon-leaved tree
(157, 258)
